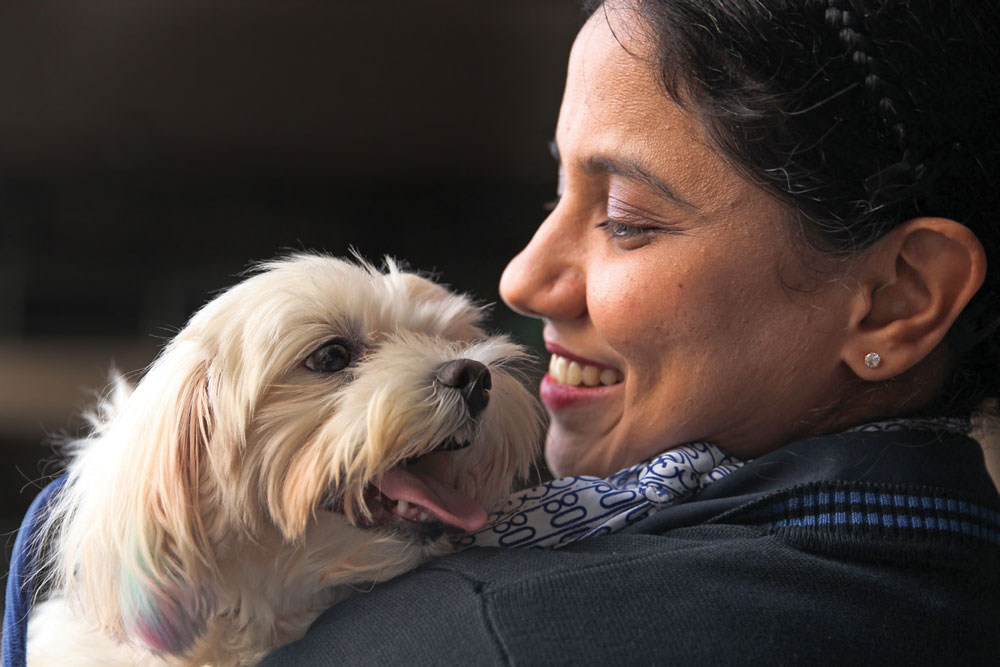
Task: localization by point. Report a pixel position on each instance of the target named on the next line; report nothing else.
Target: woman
(772, 235)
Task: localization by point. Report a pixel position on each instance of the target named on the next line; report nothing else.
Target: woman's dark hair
(862, 114)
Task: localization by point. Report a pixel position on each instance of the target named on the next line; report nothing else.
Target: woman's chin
(582, 423)
(558, 456)
(568, 454)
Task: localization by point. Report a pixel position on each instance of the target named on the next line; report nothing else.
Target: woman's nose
(547, 278)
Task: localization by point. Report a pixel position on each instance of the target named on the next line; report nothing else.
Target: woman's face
(670, 282)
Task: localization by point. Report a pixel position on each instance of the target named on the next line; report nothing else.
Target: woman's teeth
(573, 373)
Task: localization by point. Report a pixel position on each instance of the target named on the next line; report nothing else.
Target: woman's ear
(915, 283)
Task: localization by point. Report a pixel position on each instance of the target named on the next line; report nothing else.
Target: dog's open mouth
(417, 497)
(409, 497)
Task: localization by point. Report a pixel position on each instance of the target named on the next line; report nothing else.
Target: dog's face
(325, 407)
(334, 387)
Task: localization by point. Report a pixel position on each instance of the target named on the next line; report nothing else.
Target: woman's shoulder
(830, 546)
(712, 593)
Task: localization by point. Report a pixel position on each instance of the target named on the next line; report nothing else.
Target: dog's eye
(329, 357)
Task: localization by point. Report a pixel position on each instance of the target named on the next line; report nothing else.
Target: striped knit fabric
(889, 510)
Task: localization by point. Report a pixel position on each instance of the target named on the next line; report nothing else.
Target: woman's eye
(621, 231)
(329, 358)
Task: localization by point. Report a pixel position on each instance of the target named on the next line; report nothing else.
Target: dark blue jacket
(865, 548)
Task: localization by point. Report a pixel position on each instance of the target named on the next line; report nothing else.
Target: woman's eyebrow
(627, 168)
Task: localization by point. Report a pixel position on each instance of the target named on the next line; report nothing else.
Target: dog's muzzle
(405, 497)
(469, 377)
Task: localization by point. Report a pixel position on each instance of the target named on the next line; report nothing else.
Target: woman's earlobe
(919, 278)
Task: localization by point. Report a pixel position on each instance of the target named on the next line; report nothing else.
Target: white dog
(318, 427)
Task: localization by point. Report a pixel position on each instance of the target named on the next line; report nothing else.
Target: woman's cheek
(636, 321)
(618, 306)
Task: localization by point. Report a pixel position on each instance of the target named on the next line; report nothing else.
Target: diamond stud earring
(872, 360)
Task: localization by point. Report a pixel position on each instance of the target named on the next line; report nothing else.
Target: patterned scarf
(568, 509)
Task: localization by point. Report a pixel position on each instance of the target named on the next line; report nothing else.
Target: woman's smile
(576, 381)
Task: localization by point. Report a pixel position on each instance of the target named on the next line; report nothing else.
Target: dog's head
(323, 405)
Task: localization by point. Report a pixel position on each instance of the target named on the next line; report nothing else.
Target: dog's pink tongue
(448, 505)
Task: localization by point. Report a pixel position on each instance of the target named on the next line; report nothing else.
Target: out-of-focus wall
(149, 151)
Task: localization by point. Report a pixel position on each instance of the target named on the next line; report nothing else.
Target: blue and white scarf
(569, 509)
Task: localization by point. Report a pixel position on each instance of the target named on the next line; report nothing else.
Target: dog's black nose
(471, 378)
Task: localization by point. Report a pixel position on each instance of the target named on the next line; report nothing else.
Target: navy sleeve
(426, 617)
(20, 579)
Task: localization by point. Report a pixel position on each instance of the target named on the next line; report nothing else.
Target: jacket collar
(934, 453)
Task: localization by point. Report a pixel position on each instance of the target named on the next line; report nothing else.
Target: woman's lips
(572, 379)
(558, 396)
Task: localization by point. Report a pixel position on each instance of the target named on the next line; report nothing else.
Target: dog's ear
(168, 564)
(293, 498)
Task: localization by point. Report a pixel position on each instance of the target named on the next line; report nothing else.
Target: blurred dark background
(150, 150)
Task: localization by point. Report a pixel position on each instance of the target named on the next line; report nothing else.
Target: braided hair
(861, 114)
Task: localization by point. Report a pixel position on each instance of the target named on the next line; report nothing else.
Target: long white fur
(190, 529)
